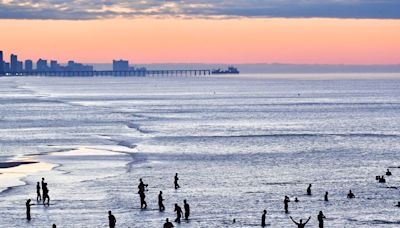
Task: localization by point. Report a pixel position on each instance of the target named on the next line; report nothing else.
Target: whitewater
(239, 144)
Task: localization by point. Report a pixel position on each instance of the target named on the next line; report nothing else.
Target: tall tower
(14, 63)
(1, 63)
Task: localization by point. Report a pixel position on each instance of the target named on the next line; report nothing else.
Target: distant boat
(231, 70)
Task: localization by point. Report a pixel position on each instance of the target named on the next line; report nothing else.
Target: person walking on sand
(111, 220)
(300, 224)
(309, 190)
(160, 202)
(321, 218)
(286, 203)
(179, 213)
(168, 224)
(187, 209)
(38, 196)
(176, 181)
(263, 217)
(28, 209)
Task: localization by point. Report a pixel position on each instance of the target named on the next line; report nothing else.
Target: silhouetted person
(38, 196)
(326, 196)
(300, 224)
(350, 195)
(382, 179)
(179, 213)
(296, 200)
(263, 217)
(321, 217)
(43, 187)
(176, 181)
(234, 221)
(143, 204)
(398, 204)
(45, 194)
(309, 190)
(168, 224)
(141, 186)
(187, 209)
(111, 220)
(28, 209)
(388, 173)
(286, 203)
(160, 202)
(54, 226)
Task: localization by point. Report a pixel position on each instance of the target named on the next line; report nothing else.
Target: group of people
(39, 197)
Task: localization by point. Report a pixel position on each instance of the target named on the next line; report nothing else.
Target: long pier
(138, 73)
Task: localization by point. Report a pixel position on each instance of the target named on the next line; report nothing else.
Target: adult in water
(160, 202)
(141, 186)
(54, 226)
(176, 181)
(187, 209)
(388, 173)
(43, 187)
(143, 204)
(28, 209)
(263, 217)
(111, 220)
(350, 195)
(45, 194)
(286, 204)
(179, 213)
(326, 196)
(168, 224)
(300, 224)
(309, 190)
(321, 218)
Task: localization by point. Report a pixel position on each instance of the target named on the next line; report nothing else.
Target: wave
(138, 128)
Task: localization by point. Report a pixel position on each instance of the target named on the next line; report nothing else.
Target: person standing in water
(388, 173)
(111, 220)
(263, 218)
(350, 195)
(38, 196)
(187, 209)
(321, 218)
(286, 203)
(179, 213)
(46, 194)
(28, 209)
(54, 226)
(160, 202)
(326, 196)
(309, 190)
(43, 188)
(168, 224)
(300, 224)
(176, 181)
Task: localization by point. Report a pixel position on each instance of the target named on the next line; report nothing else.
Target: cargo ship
(231, 70)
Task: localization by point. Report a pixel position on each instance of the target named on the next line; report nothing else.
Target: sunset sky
(252, 31)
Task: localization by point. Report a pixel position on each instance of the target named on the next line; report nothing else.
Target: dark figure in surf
(187, 209)
(28, 209)
(43, 187)
(111, 220)
(296, 200)
(143, 204)
(350, 195)
(321, 218)
(300, 224)
(309, 190)
(176, 181)
(326, 196)
(263, 217)
(382, 179)
(54, 226)
(38, 196)
(388, 173)
(160, 202)
(398, 204)
(141, 186)
(168, 224)
(45, 194)
(179, 213)
(286, 203)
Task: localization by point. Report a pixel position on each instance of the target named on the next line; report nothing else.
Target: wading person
(263, 217)
(38, 196)
(178, 211)
(28, 209)
(321, 218)
(309, 190)
(326, 196)
(168, 224)
(176, 181)
(286, 204)
(111, 220)
(160, 202)
(187, 209)
(300, 224)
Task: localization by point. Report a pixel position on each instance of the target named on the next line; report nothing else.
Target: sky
(242, 31)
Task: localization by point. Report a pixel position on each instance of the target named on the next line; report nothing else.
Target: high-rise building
(14, 63)
(120, 65)
(1, 63)
(54, 66)
(20, 66)
(6, 67)
(28, 65)
(41, 65)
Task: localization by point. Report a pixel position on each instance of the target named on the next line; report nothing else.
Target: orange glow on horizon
(245, 40)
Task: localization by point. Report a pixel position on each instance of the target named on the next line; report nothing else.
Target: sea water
(239, 144)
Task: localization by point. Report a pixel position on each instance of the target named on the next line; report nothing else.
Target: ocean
(238, 143)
